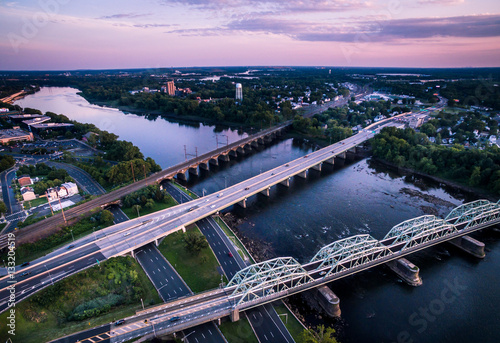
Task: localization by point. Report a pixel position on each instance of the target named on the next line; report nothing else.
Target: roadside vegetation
(292, 324)
(6, 161)
(98, 295)
(192, 259)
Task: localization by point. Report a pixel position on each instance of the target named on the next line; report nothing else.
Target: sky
(73, 34)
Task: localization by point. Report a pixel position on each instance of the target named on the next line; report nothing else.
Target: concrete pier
(225, 158)
(328, 301)
(181, 176)
(203, 166)
(406, 270)
(285, 183)
(243, 203)
(255, 144)
(235, 315)
(330, 161)
(214, 162)
(317, 167)
(233, 153)
(241, 151)
(193, 171)
(302, 174)
(265, 192)
(469, 245)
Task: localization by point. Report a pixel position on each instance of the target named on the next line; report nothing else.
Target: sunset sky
(71, 34)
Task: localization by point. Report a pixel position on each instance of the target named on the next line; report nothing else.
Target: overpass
(124, 238)
(278, 278)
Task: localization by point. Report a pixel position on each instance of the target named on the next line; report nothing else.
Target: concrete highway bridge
(278, 278)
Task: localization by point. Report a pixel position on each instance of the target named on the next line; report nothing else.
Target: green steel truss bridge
(278, 278)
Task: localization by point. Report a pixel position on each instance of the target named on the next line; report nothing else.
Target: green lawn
(158, 206)
(242, 250)
(292, 324)
(198, 271)
(47, 315)
(238, 332)
(35, 203)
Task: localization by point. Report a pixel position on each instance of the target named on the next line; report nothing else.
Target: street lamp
(142, 304)
(182, 339)
(72, 235)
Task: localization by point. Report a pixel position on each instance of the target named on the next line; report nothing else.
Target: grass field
(238, 332)
(242, 250)
(185, 190)
(198, 271)
(47, 314)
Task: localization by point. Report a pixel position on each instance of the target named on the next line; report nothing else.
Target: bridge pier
(157, 242)
(214, 161)
(340, 159)
(268, 139)
(232, 153)
(181, 176)
(255, 144)
(247, 148)
(302, 174)
(241, 150)
(469, 245)
(204, 166)
(235, 315)
(351, 154)
(225, 157)
(193, 171)
(329, 301)
(330, 161)
(317, 167)
(406, 270)
(265, 192)
(243, 203)
(261, 141)
(285, 183)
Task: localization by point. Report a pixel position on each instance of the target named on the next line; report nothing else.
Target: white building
(239, 92)
(71, 188)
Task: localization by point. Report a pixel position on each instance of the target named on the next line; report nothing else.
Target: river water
(459, 299)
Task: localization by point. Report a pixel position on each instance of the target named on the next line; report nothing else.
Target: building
(56, 192)
(163, 89)
(171, 88)
(71, 188)
(28, 193)
(38, 120)
(50, 126)
(24, 180)
(239, 92)
(15, 135)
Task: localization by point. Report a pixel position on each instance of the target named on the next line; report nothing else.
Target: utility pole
(62, 210)
(144, 167)
(185, 153)
(47, 196)
(132, 166)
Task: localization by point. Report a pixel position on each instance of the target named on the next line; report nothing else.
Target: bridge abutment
(329, 301)
(469, 245)
(406, 270)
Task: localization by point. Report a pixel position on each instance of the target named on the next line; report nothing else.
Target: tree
(194, 242)
(3, 208)
(320, 335)
(106, 217)
(475, 178)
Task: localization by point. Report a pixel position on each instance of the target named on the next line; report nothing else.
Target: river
(458, 301)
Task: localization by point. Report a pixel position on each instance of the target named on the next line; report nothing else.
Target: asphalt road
(100, 334)
(15, 212)
(265, 321)
(165, 279)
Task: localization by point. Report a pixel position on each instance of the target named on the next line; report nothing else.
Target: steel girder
(273, 276)
(459, 211)
(419, 230)
(485, 217)
(349, 253)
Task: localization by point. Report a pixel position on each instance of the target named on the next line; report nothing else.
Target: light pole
(93, 231)
(52, 281)
(182, 339)
(142, 304)
(72, 235)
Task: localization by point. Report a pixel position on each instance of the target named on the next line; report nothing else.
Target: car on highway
(287, 165)
(220, 194)
(174, 319)
(25, 274)
(126, 234)
(247, 188)
(229, 254)
(71, 246)
(119, 322)
(212, 206)
(305, 156)
(25, 264)
(322, 273)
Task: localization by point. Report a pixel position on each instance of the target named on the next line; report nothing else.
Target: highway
(264, 320)
(15, 211)
(126, 237)
(48, 225)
